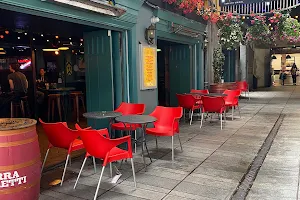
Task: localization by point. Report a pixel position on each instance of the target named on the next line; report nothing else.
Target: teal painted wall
(229, 66)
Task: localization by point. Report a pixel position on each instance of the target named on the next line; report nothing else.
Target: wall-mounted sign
(236, 2)
(148, 67)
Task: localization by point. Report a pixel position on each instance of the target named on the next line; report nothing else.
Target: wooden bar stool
(77, 96)
(22, 105)
(52, 99)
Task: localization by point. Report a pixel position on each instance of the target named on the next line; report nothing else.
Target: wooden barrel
(20, 163)
(221, 87)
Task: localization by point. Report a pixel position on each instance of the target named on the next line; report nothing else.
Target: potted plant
(219, 59)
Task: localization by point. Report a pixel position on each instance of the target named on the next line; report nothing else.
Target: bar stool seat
(52, 99)
(77, 96)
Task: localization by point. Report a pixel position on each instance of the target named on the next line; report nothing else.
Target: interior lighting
(6, 32)
(81, 40)
(25, 33)
(71, 43)
(63, 48)
(243, 17)
(267, 3)
(19, 38)
(274, 57)
(271, 28)
(33, 39)
(25, 65)
(56, 37)
(70, 38)
(42, 35)
(56, 52)
(1, 36)
(296, 16)
(158, 50)
(1, 49)
(50, 49)
(288, 57)
(47, 40)
(2, 52)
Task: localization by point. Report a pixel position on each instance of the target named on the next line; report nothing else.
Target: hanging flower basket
(218, 63)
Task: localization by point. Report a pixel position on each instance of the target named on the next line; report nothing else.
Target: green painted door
(99, 81)
(180, 71)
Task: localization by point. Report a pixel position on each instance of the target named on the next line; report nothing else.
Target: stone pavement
(213, 161)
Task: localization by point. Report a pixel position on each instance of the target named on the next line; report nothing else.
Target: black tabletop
(101, 114)
(136, 119)
(216, 95)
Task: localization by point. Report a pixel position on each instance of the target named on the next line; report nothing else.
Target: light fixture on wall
(150, 32)
(288, 57)
(274, 57)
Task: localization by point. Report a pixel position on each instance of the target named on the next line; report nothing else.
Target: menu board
(148, 67)
(236, 2)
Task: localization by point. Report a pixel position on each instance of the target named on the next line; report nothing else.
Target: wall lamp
(274, 57)
(150, 32)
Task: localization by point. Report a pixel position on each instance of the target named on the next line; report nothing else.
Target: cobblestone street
(213, 161)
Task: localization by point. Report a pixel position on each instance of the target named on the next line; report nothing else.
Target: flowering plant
(288, 30)
(218, 62)
(259, 33)
(187, 6)
(230, 33)
(209, 14)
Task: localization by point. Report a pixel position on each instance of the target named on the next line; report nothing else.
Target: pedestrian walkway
(213, 161)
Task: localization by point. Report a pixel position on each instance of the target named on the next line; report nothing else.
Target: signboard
(237, 2)
(148, 76)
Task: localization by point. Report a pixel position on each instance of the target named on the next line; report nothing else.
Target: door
(180, 71)
(99, 76)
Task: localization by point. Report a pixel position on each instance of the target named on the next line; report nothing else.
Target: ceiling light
(19, 38)
(1, 36)
(25, 33)
(71, 43)
(6, 32)
(158, 50)
(1, 49)
(288, 57)
(50, 49)
(47, 40)
(42, 35)
(70, 38)
(81, 40)
(56, 52)
(274, 57)
(63, 48)
(2, 52)
(33, 39)
(56, 37)
(296, 16)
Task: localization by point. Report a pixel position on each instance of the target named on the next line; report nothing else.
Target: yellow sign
(149, 67)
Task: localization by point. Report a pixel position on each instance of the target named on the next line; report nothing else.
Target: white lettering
(9, 179)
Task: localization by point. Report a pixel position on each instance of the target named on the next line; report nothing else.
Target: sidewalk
(213, 162)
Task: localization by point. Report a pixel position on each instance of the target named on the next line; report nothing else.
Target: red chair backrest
(131, 108)
(231, 95)
(213, 104)
(167, 117)
(186, 100)
(59, 135)
(200, 91)
(242, 85)
(95, 143)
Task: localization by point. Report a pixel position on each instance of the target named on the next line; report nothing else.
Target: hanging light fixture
(274, 57)
(63, 48)
(288, 57)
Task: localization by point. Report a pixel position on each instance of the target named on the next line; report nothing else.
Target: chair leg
(133, 172)
(192, 113)
(63, 177)
(83, 105)
(95, 168)
(110, 170)
(59, 108)
(82, 166)
(135, 138)
(98, 186)
(172, 148)
(11, 110)
(156, 143)
(77, 108)
(23, 108)
(221, 122)
(46, 156)
(184, 115)
(248, 94)
(232, 110)
(202, 116)
(239, 111)
(179, 142)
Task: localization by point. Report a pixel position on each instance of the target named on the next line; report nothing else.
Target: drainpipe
(127, 66)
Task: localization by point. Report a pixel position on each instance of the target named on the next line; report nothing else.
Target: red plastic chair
(213, 105)
(104, 148)
(167, 123)
(232, 100)
(60, 136)
(188, 101)
(129, 109)
(244, 87)
(199, 91)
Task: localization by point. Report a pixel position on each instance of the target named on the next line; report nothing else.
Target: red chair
(188, 101)
(200, 91)
(232, 100)
(167, 123)
(129, 109)
(244, 87)
(213, 105)
(60, 136)
(104, 148)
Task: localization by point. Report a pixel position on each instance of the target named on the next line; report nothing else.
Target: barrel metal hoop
(17, 132)
(21, 188)
(20, 165)
(18, 143)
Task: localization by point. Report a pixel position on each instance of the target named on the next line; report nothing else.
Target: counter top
(15, 123)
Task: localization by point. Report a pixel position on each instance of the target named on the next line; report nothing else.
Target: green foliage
(219, 59)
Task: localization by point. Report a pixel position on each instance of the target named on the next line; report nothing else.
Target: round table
(215, 95)
(102, 115)
(139, 119)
